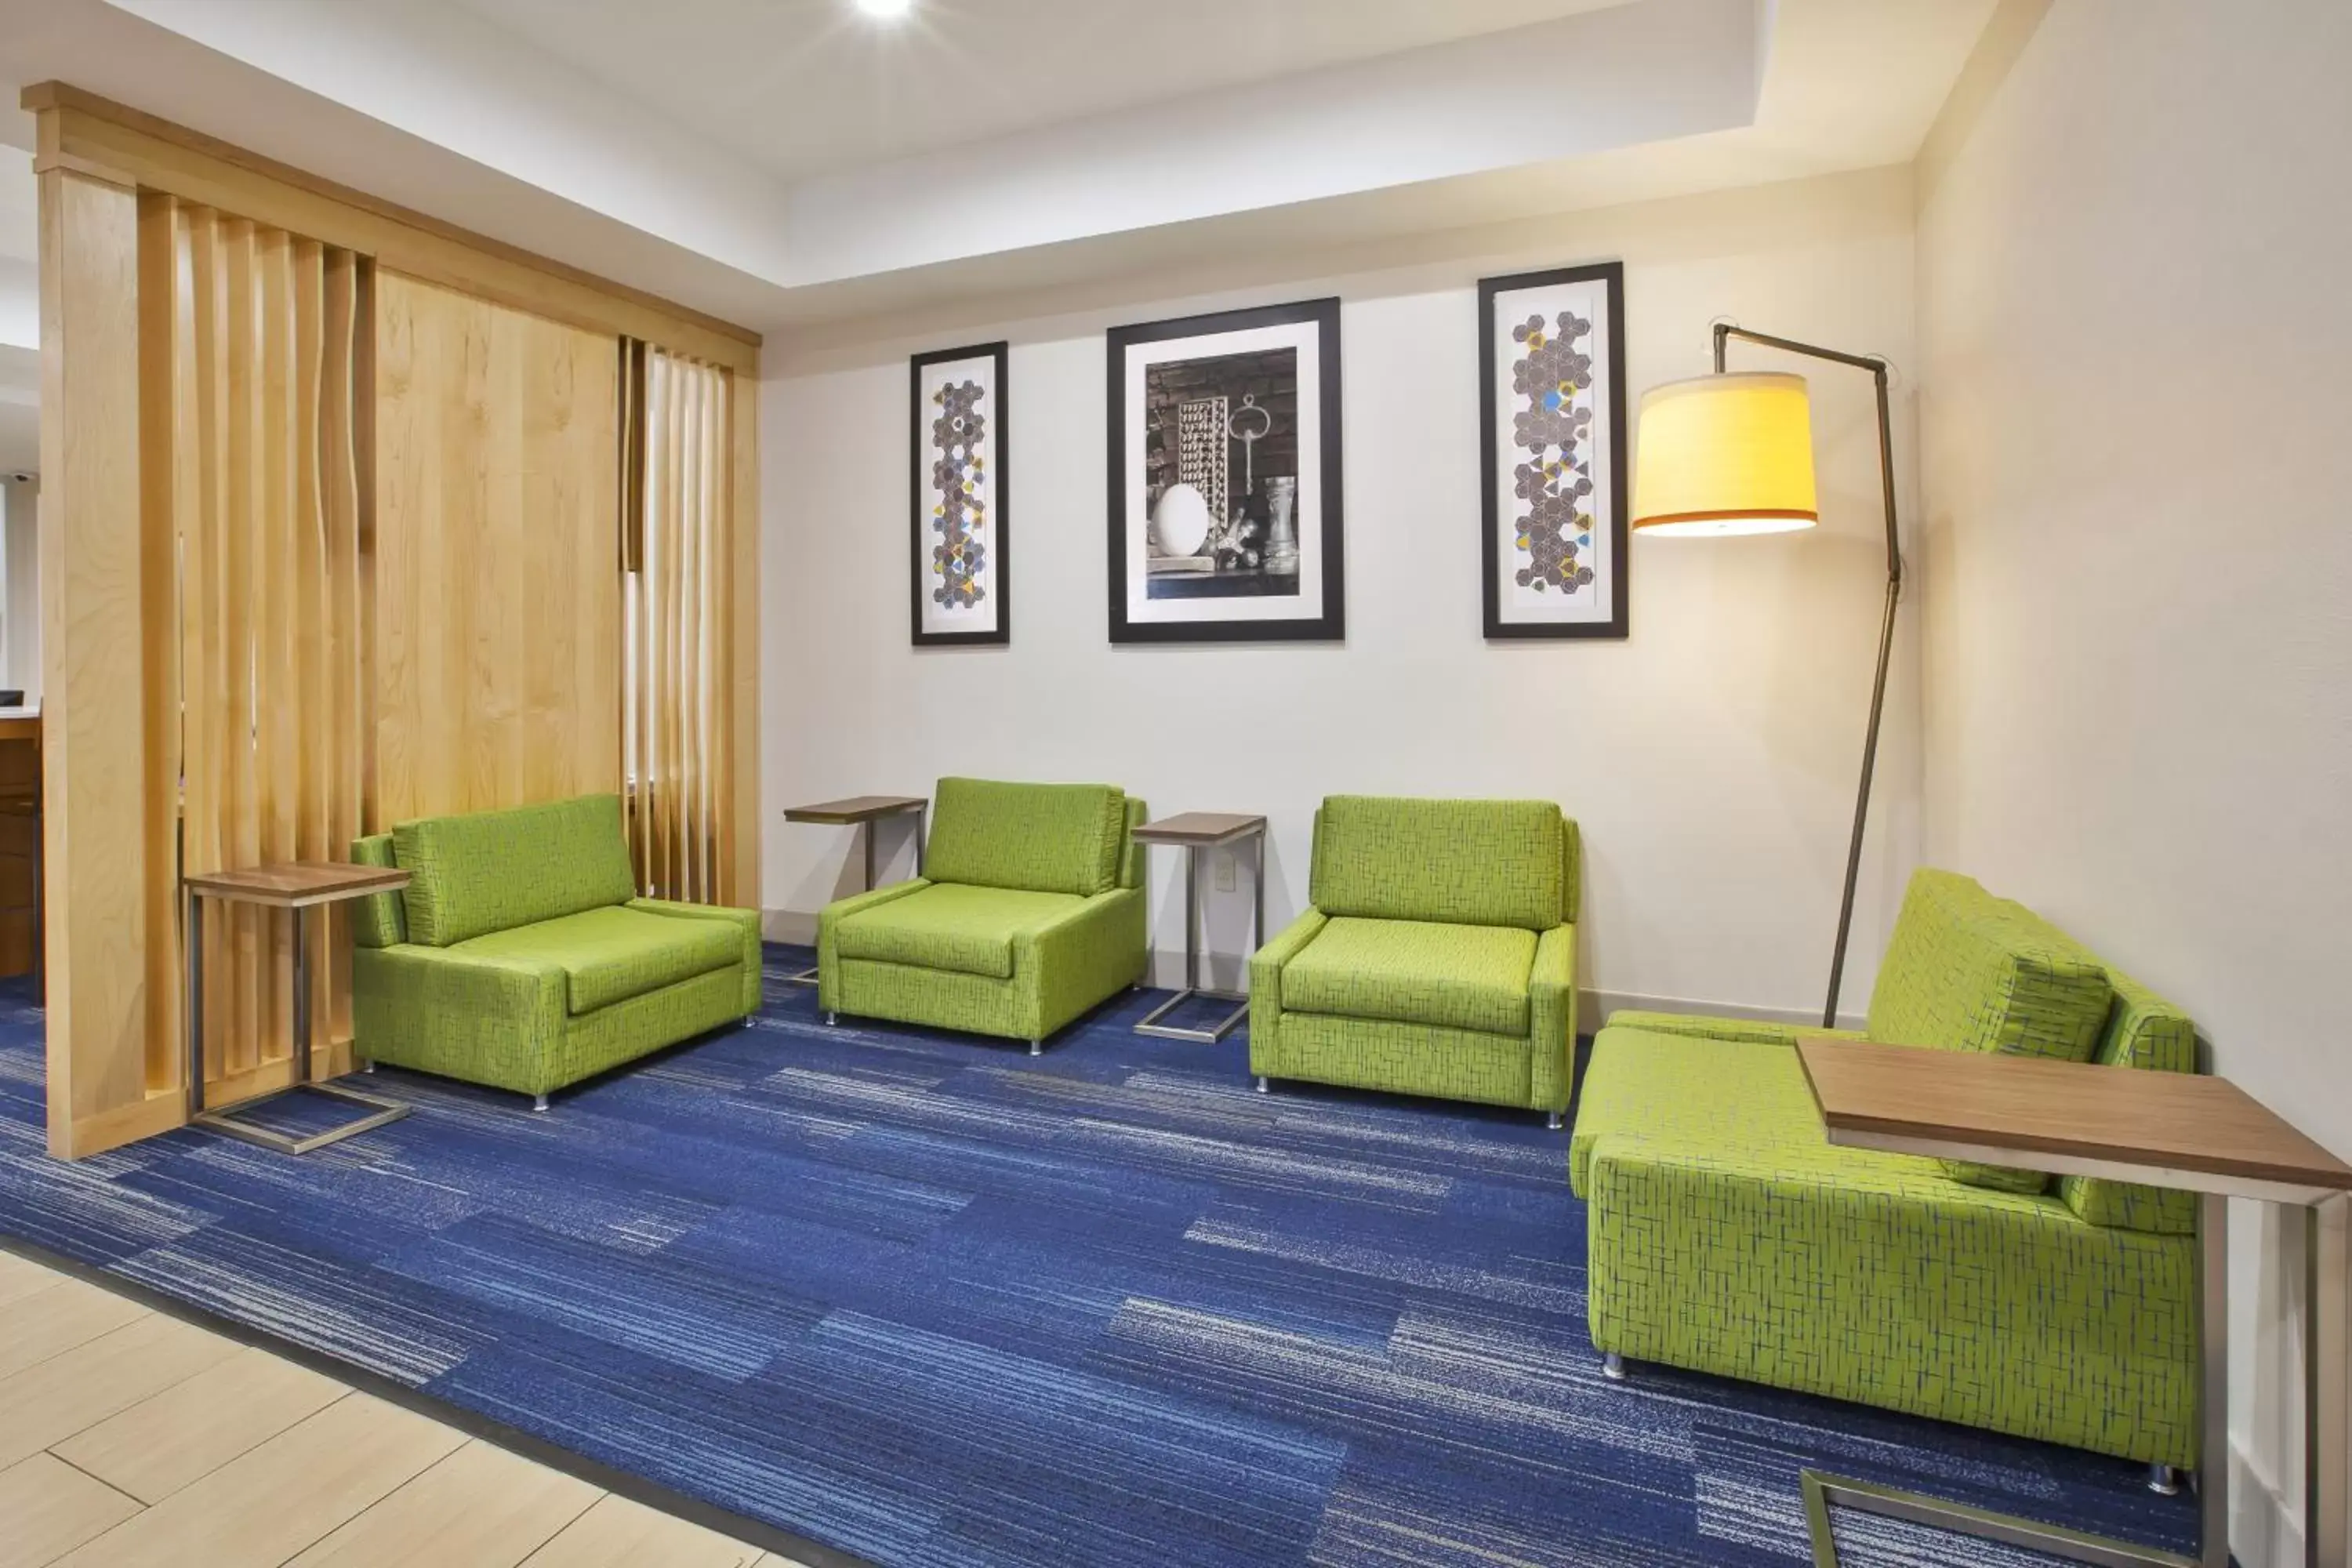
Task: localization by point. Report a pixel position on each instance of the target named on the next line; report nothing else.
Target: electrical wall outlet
(1224, 872)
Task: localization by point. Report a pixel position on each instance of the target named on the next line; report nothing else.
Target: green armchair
(1437, 957)
(1725, 1234)
(519, 955)
(1030, 913)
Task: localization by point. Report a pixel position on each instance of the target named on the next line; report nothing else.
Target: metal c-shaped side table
(861, 812)
(297, 888)
(1196, 831)
(2181, 1131)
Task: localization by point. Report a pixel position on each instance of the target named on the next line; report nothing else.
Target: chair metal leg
(1261, 1086)
(367, 1064)
(1552, 1121)
(539, 1103)
(1036, 1047)
(1612, 1366)
(2163, 1480)
(829, 1020)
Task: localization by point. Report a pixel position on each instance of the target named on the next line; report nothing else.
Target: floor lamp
(1733, 453)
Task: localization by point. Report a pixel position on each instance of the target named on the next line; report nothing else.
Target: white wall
(1710, 759)
(2139, 655)
(20, 572)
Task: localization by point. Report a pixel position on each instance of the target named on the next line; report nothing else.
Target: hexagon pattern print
(1551, 404)
(959, 525)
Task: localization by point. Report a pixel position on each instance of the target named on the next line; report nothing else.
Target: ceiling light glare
(885, 10)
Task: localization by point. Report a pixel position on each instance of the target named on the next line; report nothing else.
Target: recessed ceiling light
(885, 10)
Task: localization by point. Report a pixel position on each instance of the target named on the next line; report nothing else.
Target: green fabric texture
(1462, 986)
(1728, 1236)
(611, 954)
(1411, 971)
(1706, 1027)
(2143, 1031)
(550, 1000)
(1061, 969)
(378, 920)
(951, 925)
(1458, 862)
(982, 942)
(744, 924)
(1047, 839)
(492, 871)
(1967, 972)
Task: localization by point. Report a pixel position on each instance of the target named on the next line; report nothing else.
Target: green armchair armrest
(488, 1020)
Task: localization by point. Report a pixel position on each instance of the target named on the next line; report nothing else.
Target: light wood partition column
(104, 1033)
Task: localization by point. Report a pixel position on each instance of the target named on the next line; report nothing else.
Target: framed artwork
(960, 577)
(1551, 422)
(1224, 477)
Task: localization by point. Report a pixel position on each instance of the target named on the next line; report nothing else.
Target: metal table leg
(1822, 1490)
(1149, 1024)
(866, 844)
(2327, 1400)
(385, 1110)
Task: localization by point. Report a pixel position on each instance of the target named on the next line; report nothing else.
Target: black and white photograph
(1552, 426)
(1224, 477)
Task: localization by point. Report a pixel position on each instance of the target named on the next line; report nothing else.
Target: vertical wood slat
(162, 455)
(262, 405)
(740, 731)
(93, 784)
(681, 707)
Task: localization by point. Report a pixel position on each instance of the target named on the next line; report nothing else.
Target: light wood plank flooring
(128, 1437)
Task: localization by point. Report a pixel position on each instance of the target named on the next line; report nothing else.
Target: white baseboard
(1230, 972)
(2266, 1528)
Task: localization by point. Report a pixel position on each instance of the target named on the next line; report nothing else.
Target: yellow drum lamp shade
(1724, 454)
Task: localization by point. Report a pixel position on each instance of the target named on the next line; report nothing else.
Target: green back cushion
(1455, 862)
(1967, 972)
(377, 920)
(494, 870)
(1047, 839)
(2143, 1031)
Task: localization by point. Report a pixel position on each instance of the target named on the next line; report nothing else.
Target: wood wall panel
(93, 656)
(497, 605)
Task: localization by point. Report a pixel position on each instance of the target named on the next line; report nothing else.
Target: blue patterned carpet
(931, 1302)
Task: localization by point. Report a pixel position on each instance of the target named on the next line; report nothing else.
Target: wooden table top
(299, 883)
(1882, 1096)
(856, 808)
(1199, 828)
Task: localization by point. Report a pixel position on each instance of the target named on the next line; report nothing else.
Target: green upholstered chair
(1029, 912)
(519, 955)
(1437, 955)
(1728, 1236)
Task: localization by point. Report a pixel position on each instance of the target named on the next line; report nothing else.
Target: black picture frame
(920, 451)
(1494, 480)
(1327, 619)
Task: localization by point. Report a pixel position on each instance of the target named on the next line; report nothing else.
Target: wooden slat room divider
(681, 640)
(253, 346)
(330, 538)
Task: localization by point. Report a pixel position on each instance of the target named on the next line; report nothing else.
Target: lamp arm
(1724, 333)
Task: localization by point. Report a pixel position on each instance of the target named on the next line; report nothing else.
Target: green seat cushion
(1044, 838)
(611, 954)
(491, 871)
(1455, 862)
(1741, 1101)
(1415, 972)
(1708, 1025)
(954, 926)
